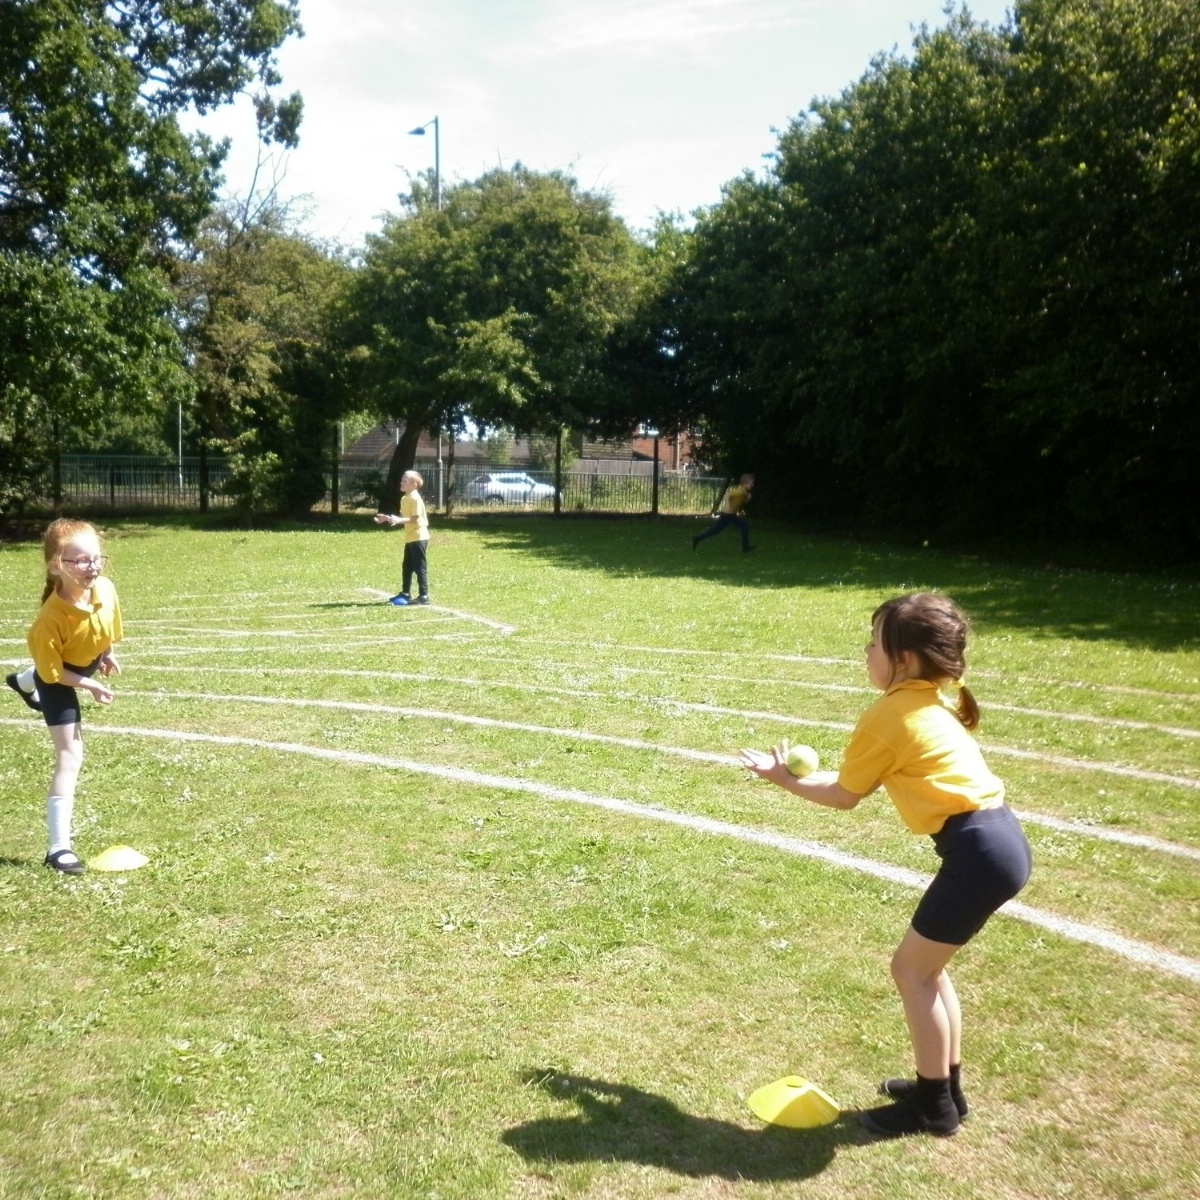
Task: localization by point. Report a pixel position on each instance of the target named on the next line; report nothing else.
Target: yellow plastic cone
(794, 1102)
(118, 858)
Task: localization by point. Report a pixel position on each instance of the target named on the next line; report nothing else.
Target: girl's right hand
(100, 693)
(766, 765)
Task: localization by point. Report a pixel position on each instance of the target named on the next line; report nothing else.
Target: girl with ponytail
(919, 749)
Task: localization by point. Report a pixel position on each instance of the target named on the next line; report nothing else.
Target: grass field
(471, 901)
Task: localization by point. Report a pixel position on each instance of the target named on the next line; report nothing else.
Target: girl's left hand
(109, 665)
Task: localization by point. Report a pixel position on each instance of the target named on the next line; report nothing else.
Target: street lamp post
(437, 204)
(437, 158)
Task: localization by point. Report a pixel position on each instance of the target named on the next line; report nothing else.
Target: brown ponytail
(967, 710)
(934, 630)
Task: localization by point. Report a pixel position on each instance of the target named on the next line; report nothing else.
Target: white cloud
(658, 103)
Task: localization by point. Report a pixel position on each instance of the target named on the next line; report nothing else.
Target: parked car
(507, 487)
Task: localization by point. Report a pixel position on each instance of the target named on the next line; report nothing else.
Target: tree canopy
(496, 307)
(963, 298)
(100, 187)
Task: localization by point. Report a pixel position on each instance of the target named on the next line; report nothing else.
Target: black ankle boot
(902, 1089)
(928, 1109)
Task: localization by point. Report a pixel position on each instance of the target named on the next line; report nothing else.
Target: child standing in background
(416, 540)
(923, 754)
(70, 640)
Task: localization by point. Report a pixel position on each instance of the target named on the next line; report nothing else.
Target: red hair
(58, 534)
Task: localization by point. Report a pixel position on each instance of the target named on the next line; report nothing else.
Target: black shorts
(985, 862)
(60, 702)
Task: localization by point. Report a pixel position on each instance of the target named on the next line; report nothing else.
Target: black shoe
(421, 600)
(65, 861)
(11, 680)
(904, 1089)
(905, 1118)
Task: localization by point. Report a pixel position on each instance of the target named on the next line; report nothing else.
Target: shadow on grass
(615, 1122)
(1150, 610)
(351, 604)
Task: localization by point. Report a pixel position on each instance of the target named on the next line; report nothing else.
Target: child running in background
(416, 540)
(736, 498)
(70, 640)
(920, 750)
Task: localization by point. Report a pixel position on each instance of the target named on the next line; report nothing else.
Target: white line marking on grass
(1077, 764)
(743, 655)
(740, 655)
(1117, 689)
(382, 633)
(397, 676)
(454, 612)
(578, 735)
(1090, 719)
(1104, 834)
(376, 643)
(1077, 931)
(1080, 764)
(856, 690)
(1124, 947)
(1057, 760)
(1080, 828)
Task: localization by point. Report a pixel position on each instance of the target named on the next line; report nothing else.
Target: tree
(98, 188)
(257, 299)
(966, 299)
(495, 307)
(644, 368)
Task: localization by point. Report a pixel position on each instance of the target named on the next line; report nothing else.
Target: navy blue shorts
(60, 702)
(985, 862)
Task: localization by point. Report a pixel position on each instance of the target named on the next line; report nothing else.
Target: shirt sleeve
(866, 761)
(45, 648)
(118, 631)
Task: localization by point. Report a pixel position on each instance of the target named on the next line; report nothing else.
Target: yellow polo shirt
(411, 505)
(929, 764)
(62, 633)
(735, 500)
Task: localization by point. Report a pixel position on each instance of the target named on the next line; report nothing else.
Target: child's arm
(821, 787)
(100, 691)
(390, 519)
(108, 664)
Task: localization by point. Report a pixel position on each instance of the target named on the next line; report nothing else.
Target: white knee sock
(26, 681)
(58, 821)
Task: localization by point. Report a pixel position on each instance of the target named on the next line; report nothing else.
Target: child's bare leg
(934, 1025)
(931, 1008)
(949, 998)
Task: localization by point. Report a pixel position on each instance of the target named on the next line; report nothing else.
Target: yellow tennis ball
(801, 760)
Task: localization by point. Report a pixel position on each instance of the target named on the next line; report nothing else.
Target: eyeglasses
(100, 561)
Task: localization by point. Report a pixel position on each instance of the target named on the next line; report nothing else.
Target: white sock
(26, 681)
(58, 821)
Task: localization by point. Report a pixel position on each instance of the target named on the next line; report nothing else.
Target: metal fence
(462, 490)
(137, 483)
(128, 483)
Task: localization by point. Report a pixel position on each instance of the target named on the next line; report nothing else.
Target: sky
(656, 103)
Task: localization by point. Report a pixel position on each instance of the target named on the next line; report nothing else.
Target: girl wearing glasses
(71, 640)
